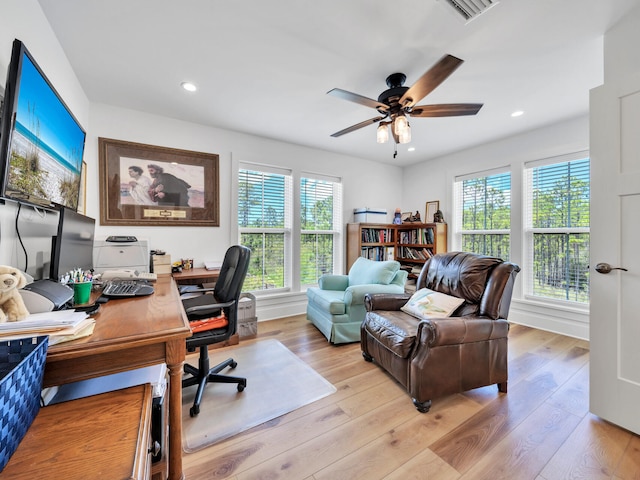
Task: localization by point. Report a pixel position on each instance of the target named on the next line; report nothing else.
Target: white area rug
(278, 382)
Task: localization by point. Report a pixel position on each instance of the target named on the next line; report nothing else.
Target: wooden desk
(102, 436)
(196, 276)
(132, 333)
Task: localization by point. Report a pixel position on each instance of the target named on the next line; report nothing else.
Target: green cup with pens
(82, 283)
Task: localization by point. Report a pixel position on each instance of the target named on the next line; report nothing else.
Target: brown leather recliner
(440, 356)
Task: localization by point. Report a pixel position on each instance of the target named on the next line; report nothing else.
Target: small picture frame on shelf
(430, 210)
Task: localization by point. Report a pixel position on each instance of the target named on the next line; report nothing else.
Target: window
(557, 229)
(483, 214)
(320, 221)
(266, 225)
(264, 221)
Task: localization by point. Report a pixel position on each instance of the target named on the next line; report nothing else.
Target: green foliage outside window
(261, 207)
(486, 209)
(263, 200)
(317, 229)
(560, 201)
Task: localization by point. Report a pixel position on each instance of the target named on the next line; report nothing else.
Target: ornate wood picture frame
(147, 185)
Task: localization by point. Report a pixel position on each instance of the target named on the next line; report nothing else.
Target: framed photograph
(431, 209)
(147, 185)
(406, 217)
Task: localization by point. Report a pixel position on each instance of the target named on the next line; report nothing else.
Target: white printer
(120, 253)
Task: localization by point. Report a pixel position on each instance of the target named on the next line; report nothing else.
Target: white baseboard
(281, 305)
(552, 318)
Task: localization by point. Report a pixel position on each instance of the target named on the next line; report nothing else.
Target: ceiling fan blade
(357, 126)
(354, 97)
(446, 110)
(430, 80)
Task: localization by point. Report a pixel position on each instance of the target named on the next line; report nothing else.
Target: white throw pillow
(426, 303)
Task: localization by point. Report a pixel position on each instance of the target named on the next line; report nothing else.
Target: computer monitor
(72, 247)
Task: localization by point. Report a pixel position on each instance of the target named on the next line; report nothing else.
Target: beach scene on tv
(47, 145)
(164, 184)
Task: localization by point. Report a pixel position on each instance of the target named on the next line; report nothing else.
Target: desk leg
(175, 361)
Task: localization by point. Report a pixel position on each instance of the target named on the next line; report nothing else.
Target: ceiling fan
(399, 102)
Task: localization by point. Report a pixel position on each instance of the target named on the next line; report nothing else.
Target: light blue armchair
(336, 306)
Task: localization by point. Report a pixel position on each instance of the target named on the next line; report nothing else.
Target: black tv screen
(41, 142)
(72, 247)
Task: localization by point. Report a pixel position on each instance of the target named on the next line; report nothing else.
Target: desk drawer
(103, 436)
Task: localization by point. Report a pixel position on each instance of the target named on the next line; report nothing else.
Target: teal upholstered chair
(336, 306)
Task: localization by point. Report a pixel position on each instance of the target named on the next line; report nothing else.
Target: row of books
(415, 253)
(377, 235)
(419, 235)
(377, 253)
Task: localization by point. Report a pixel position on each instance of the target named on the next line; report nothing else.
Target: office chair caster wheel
(233, 364)
(195, 410)
(241, 386)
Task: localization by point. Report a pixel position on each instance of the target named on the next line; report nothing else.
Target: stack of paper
(61, 326)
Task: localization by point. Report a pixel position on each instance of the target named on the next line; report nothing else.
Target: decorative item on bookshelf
(431, 209)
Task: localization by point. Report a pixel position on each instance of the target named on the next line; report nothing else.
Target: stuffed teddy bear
(12, 307)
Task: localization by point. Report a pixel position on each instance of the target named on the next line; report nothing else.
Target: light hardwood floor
(369, 429)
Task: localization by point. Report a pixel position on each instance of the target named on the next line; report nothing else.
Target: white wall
(433, 180)
(620, 47)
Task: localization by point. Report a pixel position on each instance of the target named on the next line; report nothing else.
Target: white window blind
(483, 213)
(320, 227)
(264, 221)
(557, 230)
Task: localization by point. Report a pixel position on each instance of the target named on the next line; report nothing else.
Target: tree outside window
(263, 224)
(484, 214)
(558, 201)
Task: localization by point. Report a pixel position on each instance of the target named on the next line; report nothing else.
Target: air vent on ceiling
(470, 9)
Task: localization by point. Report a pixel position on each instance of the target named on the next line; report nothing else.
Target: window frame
(336, 231)
(286, 230)
(293, 230)
(458, 185)
(528, 231)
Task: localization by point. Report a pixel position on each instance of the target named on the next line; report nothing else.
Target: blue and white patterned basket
(21, 371)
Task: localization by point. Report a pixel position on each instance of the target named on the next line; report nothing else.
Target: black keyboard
(123, 288)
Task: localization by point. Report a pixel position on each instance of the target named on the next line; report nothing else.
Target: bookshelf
(375, 241)
(411, 244)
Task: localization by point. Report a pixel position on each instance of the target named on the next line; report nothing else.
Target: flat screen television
(72, 247)
(41, 142)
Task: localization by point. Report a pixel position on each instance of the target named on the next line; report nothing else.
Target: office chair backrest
(232, 273)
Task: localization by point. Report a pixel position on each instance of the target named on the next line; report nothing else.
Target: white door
(615, 240)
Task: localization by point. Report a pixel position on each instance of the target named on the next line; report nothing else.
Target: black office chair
(208, 302)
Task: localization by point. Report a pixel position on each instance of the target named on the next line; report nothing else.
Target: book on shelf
(377, 235)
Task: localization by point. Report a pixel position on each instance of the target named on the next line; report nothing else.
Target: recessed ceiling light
(411, 149)
(517, 113)
(188, 86)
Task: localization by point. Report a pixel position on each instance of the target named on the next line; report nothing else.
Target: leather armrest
(385, 301)
(457, 330)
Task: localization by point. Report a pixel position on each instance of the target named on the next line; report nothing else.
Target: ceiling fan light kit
(382, 133)
(399, 102)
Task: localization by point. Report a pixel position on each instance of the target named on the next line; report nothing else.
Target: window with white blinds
(266, 212)
(320, 226)
(483, 213)
(557, 230)
(264, 221)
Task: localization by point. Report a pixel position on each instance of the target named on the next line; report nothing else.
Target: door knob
(606, 268)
